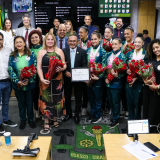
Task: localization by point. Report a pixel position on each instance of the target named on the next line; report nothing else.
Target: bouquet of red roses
(54, 62)
(96, 68)
(134, 66)
(147, 71)
(118, 66)
(107, 45)
(128, 48)
(27, 72)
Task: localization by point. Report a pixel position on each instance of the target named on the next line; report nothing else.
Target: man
(5, 85)
(119, 31)
(88, 21)
(56, 22)
(146, 38)
(26, 29)
(61, 38)
(75, 57)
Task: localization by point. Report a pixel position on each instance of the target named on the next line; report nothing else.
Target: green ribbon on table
(77, 155)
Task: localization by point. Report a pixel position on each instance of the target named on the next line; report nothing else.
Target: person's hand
(20, 83)
(59, 69)
(107, 81)
(25, 82)
(94, 77)
(68, 74)
(152, 86)
(149, 81)
(133, 80)
(87, 82)
(128, 71)
(44, 81)
(114, 73)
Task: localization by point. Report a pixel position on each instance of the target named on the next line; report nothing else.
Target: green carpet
(84, 141)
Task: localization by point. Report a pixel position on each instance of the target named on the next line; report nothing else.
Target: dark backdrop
(45, 11)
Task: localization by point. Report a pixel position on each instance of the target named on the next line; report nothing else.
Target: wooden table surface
(113, 145)
(19, 142)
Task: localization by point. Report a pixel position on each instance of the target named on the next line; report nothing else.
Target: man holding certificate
(76, 59)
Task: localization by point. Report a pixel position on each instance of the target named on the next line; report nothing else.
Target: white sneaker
(84, 112)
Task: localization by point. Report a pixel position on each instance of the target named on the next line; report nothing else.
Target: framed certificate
(80, 74)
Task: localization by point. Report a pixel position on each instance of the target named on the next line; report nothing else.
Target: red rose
(110, 77)
(136, 64)
(133, 60)
(129, 79)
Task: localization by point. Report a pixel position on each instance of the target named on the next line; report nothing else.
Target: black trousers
(151, 109)
(78, 96)
(85, 95)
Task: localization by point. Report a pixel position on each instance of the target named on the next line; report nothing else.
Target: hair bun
(96, 31)
(85, 25)
(108, 25)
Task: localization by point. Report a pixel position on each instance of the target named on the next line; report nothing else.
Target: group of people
(51, 99)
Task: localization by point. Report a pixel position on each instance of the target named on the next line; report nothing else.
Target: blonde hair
(45, 38)
(68, 21)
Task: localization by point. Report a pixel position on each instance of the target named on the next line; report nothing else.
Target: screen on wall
(21, 6)
(114, 8)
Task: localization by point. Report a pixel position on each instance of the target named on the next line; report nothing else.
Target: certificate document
(80, 74)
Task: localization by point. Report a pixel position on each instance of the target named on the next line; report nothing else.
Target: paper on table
(140, 151)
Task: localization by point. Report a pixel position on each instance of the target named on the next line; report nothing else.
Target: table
(44, 143)
(113, 145)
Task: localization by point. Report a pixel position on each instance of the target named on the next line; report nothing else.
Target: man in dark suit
(119, 31)
(61, 37)
(75, 57)
(88, 21)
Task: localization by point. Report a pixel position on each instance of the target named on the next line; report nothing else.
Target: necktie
(119, 33)
(60, 43)
(26, 35)
(72, 58)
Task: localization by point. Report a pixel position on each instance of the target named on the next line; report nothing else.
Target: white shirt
(4, 59)
(10, 39)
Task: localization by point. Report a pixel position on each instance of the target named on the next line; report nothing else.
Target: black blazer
(80, 59)
(121, 33)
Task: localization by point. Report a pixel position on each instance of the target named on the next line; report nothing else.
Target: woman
(95, 53)
(134, 89)
(51, 96)
(84, 43)
(128, 35)
(56, 22)
(22, 57)
(8, 29)
(151, 99)
(114, 87)
(108, 33)
(35, 41)
(69, 28)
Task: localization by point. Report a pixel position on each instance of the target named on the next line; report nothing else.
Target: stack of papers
(140, 151)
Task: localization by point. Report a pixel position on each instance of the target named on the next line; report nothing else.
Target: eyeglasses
(72, 41)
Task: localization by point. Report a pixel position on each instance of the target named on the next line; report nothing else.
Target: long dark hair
(4, 27)
(26, 49)
(150, 53)
(30, 35)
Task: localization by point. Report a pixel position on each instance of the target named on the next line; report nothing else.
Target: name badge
(158, 67)
(27, 58)
(15, 60)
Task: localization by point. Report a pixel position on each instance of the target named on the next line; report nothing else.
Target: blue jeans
(5, 91)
